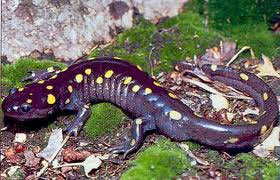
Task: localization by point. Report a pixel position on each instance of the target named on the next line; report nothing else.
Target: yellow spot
(88, 71)
(148, 91)
(265, 96)
(172, 95)
(108, 74)
(30, 94)
(64, 69)
(139, 67)
(49, 87)
(99, 80)
(53, 77)
(263, 129)
(67, 101)
(138, 121)
(232, 140)
(50, 69)
(51, 99)
(156, 83)
(41, 81)
(29, 101)
(214, 67)
(175, 115)
(133, 142)
(135, 88)
(244, 77)
(117, 57)
(127, 80)
(86, 106)
(70, 88)
(79, 78)
(20, 89)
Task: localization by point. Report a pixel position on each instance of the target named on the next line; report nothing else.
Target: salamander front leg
(77, 124)
(41, 74)
(139, 128)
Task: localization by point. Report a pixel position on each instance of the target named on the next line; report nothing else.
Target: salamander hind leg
(140, 126)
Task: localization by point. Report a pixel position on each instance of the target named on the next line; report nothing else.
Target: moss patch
(161, 161)
(13, 73)
(103, 119)
(175, 38)
(249, 166)
(132, 44)
(253, 168)
(245, 21)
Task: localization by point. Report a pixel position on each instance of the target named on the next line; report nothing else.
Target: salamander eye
(25, 107)
(12, 91)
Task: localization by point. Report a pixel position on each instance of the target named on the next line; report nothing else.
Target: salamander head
(30, 102)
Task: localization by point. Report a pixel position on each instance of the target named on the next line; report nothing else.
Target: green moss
(183, 36)
(256, 36)
(231, 12)
(253, 168)
(176, 38)
(131, 45)
(161, 161)
(245, 21)
(104, 118)
(13, 73)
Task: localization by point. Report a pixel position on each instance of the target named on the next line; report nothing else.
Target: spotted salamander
(153, 107)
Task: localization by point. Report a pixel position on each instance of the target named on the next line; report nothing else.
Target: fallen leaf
(20, 148)
(261, 152)
(31, 160)
(9, 152)
(66, 169)
(2, 157)
(104, 157)
(251, 111)
(213, 90)
(54, 144)
(219, 55)
(20, 137)
(12, 170)
(91, 162)
(31, 177)
(219, 102)
(82, 144)
(272, 140)
(71, 155)
(230, 116)
(267, 69)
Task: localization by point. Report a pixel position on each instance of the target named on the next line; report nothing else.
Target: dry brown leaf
(266, 69)
(272, 140)
(90, 163)
(219, 102)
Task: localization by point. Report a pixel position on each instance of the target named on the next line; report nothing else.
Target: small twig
(4, 128)
(150, 61)
(92, 49)
(53, 157)
(237, 54)
(69, 164)
(212, 90)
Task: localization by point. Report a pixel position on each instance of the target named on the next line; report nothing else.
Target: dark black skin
(153, 107)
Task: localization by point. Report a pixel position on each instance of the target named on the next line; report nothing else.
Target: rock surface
(69, 29)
